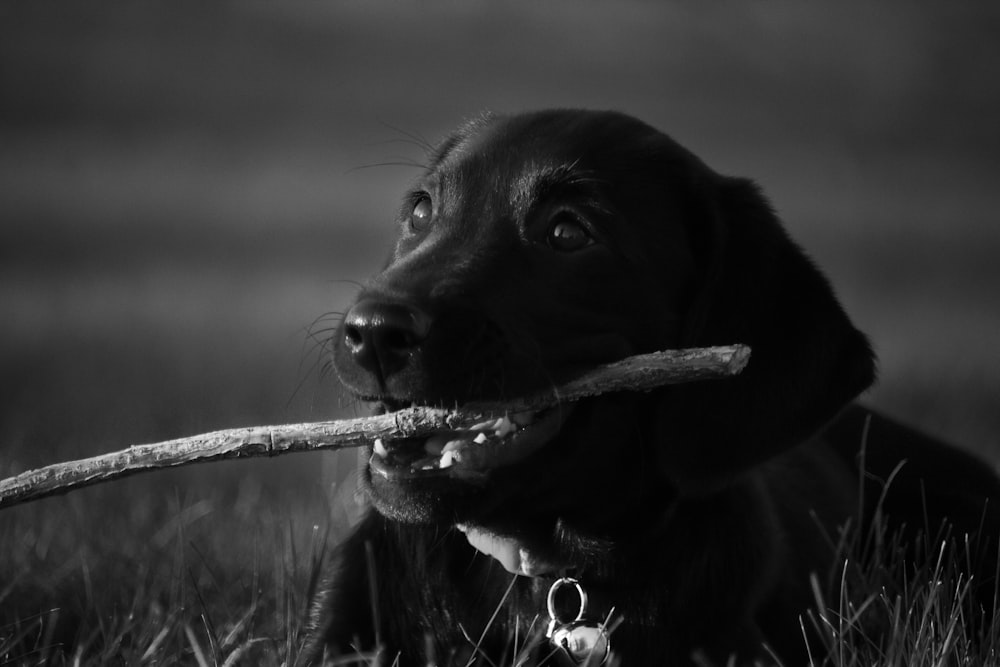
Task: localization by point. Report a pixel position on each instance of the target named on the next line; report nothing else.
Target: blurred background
(189, 191)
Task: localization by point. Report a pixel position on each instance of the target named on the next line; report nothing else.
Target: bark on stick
(638, 373)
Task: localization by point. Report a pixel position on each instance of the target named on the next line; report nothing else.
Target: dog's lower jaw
(434, 502)
(441, 500)
(454, 476)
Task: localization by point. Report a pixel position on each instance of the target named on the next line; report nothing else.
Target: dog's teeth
(380, 447)
(503, 427)
(447, 459)
(480, 439)
(453, 445)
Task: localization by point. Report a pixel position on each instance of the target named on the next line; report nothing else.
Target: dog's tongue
(510, 553)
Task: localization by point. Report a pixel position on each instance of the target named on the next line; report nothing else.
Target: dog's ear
(807, 360)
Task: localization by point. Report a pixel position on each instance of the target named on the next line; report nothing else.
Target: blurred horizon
(185, 188)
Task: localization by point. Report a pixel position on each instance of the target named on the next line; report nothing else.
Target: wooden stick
(638, 373)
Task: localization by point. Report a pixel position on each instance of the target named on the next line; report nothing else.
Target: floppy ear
(807, 360)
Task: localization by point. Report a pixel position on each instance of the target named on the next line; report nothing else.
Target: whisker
(331, 315)
(322, 347)
(298, 387)
(347, 281)
(316, 335)
(405, 140)
(317, 347)
(407, 163)
(416, 138)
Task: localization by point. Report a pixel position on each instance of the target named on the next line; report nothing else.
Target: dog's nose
(381, 335)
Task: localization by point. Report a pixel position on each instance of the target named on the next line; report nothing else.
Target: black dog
(539, 245)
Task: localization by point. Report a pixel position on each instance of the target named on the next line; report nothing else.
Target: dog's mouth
(468, 453)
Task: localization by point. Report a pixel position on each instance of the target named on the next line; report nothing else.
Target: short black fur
(698, 511)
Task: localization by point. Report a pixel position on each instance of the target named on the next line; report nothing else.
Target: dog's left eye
(567, 233)
(421, 214)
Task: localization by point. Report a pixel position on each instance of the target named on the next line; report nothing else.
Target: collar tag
(579, 641)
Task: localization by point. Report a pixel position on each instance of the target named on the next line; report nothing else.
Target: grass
(216, 579)
(193, 566)
(199, 581)
(890, 606)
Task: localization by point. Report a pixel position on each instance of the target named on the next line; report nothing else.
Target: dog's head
(536, 246)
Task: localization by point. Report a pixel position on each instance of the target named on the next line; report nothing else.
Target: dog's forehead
(516, 150)
(518, 156)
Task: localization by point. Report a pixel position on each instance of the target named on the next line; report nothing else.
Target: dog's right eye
(567, 233)
(421, 214)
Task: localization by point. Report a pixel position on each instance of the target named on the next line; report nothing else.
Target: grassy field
(184, 191)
